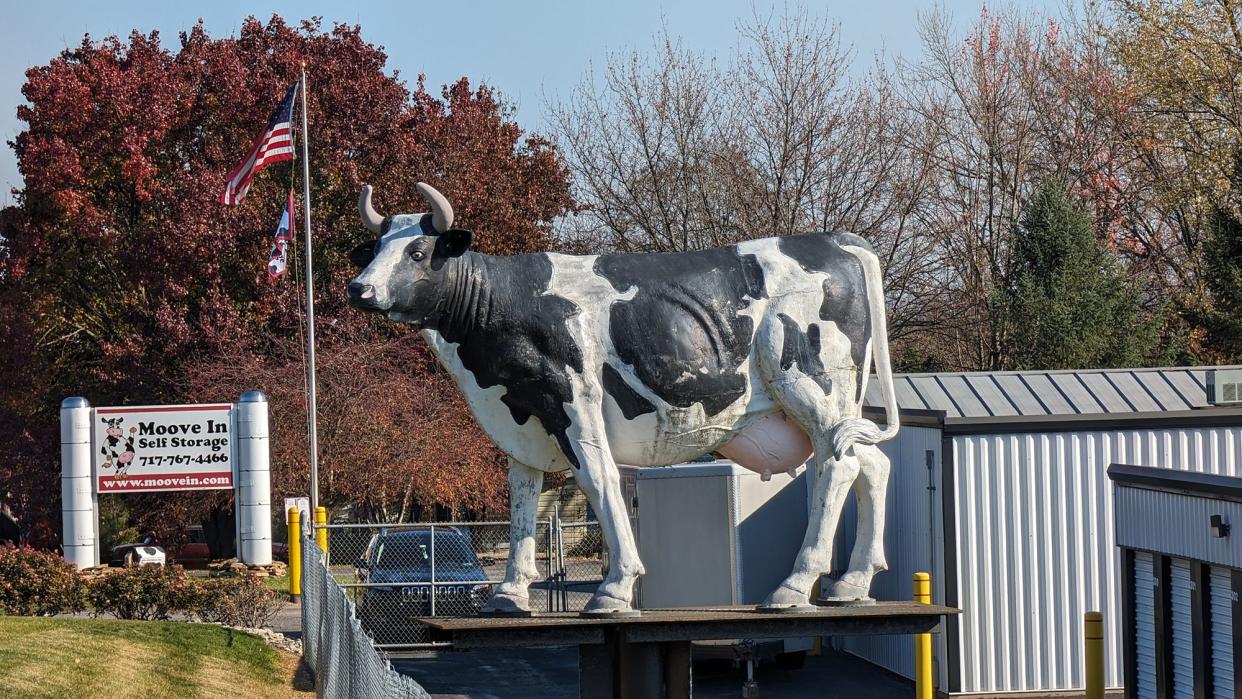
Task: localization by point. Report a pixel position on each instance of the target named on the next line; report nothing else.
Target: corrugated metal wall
(913, 536)
(1184, 530)
(1035, 545)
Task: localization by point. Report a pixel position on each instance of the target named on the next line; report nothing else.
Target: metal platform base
(845, 602)
(610, 614)
(648, 656)
(786, 609)
(507, 614)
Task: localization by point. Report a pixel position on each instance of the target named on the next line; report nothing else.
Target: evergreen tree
(1068, 304)
(1222, 261)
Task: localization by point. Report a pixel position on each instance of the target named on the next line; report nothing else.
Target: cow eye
(417, 255)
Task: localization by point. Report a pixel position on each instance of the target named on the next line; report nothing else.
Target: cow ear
(455, 241)
(362, 255)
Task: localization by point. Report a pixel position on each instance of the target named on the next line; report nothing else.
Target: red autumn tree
(125, 281)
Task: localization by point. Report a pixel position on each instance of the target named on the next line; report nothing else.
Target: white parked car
(144, 554)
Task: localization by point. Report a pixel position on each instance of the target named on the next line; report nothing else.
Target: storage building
(1181, 569)
(1000, 489)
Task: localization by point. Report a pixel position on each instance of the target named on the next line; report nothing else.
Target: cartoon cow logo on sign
(584, 362)
(118, 449)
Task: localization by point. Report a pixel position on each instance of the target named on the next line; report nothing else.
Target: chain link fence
(397, 573)
(334, 645)
(392, 574)
(580, 564)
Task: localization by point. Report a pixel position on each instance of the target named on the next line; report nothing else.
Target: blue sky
(525, 49)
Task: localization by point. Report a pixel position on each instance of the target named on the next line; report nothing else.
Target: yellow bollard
(1093, 633)
(295, 554)
(321, 531)
(922, 642)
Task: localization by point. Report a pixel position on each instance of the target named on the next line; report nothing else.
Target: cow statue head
(403, 269)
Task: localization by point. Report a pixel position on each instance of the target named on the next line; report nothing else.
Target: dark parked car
(404, 559)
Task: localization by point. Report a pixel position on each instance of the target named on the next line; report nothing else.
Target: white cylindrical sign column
(254, 480)
(77, 494)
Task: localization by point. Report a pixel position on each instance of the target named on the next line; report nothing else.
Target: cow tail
(861, 430)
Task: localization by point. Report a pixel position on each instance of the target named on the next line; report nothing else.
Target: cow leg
(867, 558)
(600, 481)
(833, 481)
(513, 593)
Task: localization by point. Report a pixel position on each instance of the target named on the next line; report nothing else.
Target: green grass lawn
(279, 584)
(75, 657)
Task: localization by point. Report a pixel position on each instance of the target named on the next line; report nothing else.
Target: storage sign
(163, 447)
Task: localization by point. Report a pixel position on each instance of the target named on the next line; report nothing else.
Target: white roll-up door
(1145, 625)
(1182, 627)
(1222, 633)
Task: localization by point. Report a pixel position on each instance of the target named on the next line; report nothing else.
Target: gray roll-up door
(1222, 633)
(1144, 625)
(1182, 626)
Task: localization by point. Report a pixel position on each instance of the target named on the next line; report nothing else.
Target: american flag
(275, 145)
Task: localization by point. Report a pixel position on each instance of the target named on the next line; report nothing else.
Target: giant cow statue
(759, 351)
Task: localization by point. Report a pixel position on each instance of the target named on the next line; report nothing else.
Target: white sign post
(80, 514)
(129, 449)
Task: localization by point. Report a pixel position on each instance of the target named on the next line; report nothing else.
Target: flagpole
(310, 307)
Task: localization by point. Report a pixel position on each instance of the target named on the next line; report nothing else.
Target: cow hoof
(785, 597)
(850, 586)
(606, 604)
(506, 605)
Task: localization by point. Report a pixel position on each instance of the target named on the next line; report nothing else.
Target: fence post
(433, 570)
(295, 554)
(1093, 632)
(548, 555)
(562, 591)
(922, 642)
(321, 530)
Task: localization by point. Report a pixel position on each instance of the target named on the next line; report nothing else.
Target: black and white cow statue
(759, 351)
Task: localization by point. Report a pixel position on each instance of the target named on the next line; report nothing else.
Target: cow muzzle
(363, 296)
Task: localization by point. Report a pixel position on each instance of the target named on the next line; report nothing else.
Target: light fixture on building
(1220, 528)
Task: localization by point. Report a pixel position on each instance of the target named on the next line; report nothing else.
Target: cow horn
(441, 209)
(372, 220)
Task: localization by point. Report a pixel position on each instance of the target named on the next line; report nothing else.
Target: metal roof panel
(1105, 393)
(1133, 391)
(1154, 383)
(1048, 394)
(1020, 393)
(960, 392)
(1199, 376)
(934, 395)
(1191, 391)
(907, 396)
(991, 395)
(1076, 393)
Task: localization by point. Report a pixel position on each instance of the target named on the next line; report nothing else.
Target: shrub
(145, 592)
(242, 601)
(37, 582)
